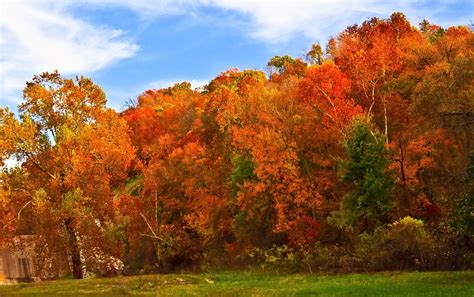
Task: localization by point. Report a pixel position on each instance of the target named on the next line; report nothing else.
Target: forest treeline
(358, 156)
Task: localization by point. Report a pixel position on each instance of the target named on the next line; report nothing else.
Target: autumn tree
(281, 67)
(73, 152)
(315, 55)
(252, 159)
(369, 56)
(432, 137)
(181, 182)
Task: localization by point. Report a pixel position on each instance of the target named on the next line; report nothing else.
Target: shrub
(401, 245)
(407, 242)
(305, 258)
(318, 257)
(370, 253)
(276, 258)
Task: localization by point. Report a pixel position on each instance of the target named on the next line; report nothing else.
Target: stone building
(16, 264)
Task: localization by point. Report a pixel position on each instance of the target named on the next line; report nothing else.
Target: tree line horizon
(357, 157)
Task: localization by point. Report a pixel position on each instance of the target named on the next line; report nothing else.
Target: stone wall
(16, 265)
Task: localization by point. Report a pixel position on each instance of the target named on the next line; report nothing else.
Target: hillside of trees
(357, 157)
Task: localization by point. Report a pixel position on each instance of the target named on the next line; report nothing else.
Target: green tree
(369, 198)
(462, 218)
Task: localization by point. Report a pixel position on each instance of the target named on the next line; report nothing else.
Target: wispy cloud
(42, 35)
(279, 21)
(276, 21)
(39, 36)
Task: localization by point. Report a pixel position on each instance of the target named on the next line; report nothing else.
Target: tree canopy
(321, 154)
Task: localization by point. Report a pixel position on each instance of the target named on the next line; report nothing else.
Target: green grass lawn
(460, 283)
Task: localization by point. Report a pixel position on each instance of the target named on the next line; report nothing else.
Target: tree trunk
(385, 119)
(405, 199)
(75, 255)
(402, 165)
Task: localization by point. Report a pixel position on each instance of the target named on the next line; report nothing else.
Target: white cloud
(37, 36)
(279, 21)
(147, 8)
(275, 21)
(42, 35)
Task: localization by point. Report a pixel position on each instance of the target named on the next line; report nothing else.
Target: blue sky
(129, 46)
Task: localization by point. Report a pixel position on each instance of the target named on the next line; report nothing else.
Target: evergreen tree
(369, 199)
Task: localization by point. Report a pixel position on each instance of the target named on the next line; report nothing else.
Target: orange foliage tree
(250, 160)
(72, 152)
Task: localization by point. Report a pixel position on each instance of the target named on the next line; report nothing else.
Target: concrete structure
(16, 264)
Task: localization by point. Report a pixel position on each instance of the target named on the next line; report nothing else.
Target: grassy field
(222, 284)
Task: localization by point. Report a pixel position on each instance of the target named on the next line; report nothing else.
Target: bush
(276, 258)
(403, 244)
(318, 257)
(407, 243)
(450, 249)
(305, 258)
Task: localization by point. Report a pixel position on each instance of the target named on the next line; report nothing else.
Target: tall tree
(369, 56)
(369, 199)
(73, 152)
